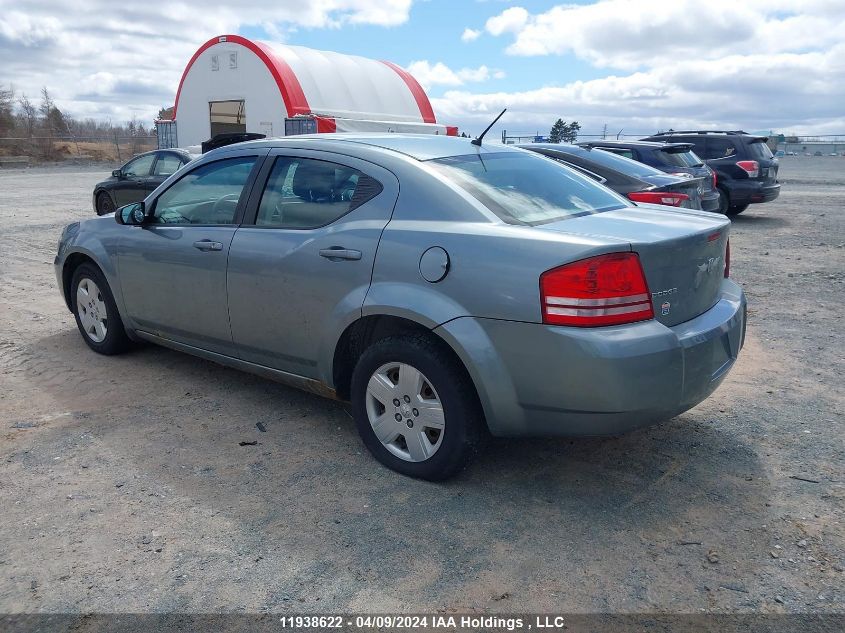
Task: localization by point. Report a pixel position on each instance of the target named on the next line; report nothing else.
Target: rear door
(301, 265)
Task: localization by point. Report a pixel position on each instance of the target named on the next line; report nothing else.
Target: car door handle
(208, 245)
(337, 253)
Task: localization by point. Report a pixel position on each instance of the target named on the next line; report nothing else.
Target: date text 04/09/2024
(447, 622)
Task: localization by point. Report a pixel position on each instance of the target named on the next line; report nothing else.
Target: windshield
(525, 188)
(678, 159)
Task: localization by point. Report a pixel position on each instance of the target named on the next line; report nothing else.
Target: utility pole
(604, 132)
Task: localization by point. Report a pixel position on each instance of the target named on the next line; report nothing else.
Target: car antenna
(480, 137)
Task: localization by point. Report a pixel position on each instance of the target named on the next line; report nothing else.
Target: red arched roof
(290, 86)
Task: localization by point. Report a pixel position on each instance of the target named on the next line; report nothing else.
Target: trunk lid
(682, 253)
(688, 185)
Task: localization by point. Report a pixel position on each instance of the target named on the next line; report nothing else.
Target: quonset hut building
(234, 85)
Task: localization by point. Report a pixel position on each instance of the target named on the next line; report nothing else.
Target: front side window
(207, 195)
(140, 167)
(167, 164)
(525, 188)
(303, 193)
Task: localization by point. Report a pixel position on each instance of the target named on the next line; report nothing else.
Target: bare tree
(29, 114)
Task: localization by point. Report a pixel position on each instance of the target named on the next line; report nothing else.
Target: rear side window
(525, 188)
(167, 164)
(719, 148)
(302, 193)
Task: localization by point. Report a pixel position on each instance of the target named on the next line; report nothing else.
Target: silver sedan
(449, 290)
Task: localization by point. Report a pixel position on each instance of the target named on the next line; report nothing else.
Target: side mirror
(117, 173)
(132, 214)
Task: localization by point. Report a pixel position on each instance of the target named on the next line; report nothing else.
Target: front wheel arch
(74, 261)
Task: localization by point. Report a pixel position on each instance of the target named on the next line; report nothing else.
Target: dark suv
(672, 158)
(746, 170)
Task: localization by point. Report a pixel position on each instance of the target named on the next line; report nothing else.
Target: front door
(173, 269)
(132, 184)
(300, 266)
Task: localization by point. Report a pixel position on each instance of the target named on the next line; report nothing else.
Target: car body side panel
(101, 246)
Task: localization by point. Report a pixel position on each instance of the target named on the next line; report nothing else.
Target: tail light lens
(714, 180)
(751, 167)
(669, 198)
(604, 290)
(728, 259)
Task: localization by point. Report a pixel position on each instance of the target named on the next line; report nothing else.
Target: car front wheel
(104, 203)
(96, 312)
(416, 408)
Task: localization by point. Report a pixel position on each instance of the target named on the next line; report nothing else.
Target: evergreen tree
(557, 131)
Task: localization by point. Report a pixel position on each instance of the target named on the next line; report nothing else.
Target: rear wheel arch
(367, 331)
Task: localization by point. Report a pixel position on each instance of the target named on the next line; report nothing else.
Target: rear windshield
(525, 188)
(677, 159)
(759, 149)
(627, 166)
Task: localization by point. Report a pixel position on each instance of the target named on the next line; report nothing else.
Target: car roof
(646, 144)
(418, 146)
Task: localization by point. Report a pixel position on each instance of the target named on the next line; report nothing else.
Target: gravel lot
(123, 487)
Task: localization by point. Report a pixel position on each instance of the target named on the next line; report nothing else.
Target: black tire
(724, 201)
(104, 203)
(464, 430)
(737, 209)
(115, 341)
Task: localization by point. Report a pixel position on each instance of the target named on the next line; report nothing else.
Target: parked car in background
(672, 158)
(635, 181)
(447, 289)
(137, 178)
(746, 170)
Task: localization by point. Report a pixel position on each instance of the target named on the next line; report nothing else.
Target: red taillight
(714, 181)
(603, 290)
(728, 259)
(751, 167)
(669, 198)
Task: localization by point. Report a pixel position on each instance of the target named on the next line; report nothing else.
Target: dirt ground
(123, 487)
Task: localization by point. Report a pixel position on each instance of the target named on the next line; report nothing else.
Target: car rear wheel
(737, 209)
(104, 203)
(415, 407)
(96, 312)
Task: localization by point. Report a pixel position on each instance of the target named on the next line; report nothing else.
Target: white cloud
(629, 34)
(781, 91)
(439, 74)
(470, 35)
(508, 21)
(108, 60)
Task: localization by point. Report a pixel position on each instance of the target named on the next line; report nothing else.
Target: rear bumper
(535, 379)
(753, 191)
(710, 201)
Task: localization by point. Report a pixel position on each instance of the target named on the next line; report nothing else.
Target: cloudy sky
(635, 65)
